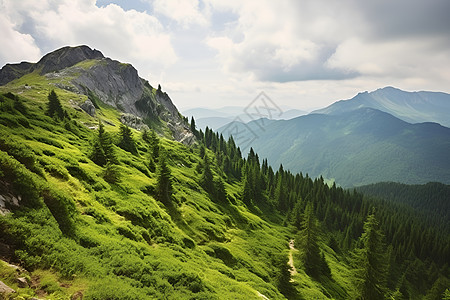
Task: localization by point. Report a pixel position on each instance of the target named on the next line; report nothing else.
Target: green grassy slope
(117, 235)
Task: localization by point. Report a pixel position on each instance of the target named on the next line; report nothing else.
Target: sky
(303, 54)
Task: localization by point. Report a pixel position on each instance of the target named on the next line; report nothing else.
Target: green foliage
(111, 173)
(207, 180)
(103, 149)
(164, 181)
(62, 209)
(370, 262)
(309, 234)
(126, 141)
(54, 107)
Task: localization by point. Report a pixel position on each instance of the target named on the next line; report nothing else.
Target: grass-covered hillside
(92, 209)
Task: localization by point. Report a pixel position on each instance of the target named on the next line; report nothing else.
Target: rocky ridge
(109, 81)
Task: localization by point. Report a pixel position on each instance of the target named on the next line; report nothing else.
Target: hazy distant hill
(355, 148)
(216, 118)
(412, 107)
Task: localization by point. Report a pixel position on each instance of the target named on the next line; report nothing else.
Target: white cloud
(16, 46)
(129, 36)
(185, 12)
(315, 40)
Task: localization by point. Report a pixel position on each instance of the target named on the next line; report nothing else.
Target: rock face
(5, 290)
(88, 107)
(133, 121)
(54, 61)
(66, 57)
(114, 83)
(106, 80)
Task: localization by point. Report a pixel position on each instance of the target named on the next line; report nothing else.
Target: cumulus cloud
(185, 12)
(129, 36)
(16, 46)
(316, 40)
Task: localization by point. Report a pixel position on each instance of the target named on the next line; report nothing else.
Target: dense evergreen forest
(113, 213)
(412, 247)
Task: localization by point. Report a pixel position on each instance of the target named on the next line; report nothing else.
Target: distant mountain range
(356, 144)
(216, 118)
(412, 107)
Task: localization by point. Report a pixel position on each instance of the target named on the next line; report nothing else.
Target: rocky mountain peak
(109, 81)
(66, 57)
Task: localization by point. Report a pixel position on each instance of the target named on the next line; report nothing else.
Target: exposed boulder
(5, 290)
(22, 282)
(88, 107)
(133, 121)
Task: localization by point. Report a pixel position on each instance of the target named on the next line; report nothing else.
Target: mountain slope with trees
(93, 208)
(353, 148)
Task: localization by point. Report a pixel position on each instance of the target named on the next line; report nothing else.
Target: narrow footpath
(292, 268)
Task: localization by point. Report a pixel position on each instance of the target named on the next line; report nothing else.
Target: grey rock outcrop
(66, 57)
(133, 121)
(88, 107)
(5, 290)
(114, 83)
(54, 61)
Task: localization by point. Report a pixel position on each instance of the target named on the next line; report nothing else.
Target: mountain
(354, 148)
(412, 107)
(104, 81)
(216, 118)
(92, 209)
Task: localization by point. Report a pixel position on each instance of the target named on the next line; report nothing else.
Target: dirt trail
(292, 268)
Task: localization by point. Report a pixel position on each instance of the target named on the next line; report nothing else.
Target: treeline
(431, 198)
(417, 253)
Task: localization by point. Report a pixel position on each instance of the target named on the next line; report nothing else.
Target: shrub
(62, 209)
(57, 171)
(111, 173)
(23, 182)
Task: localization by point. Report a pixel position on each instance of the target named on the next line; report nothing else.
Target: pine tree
(146, 136)
(103, 150)
(370, 262)
(111, 173)
(98, 155)
(126, 141)
(193, 127)
(309, 242)
(154, 145)
(164, 181)
(54, 108)
(219, 190)
(207, 176)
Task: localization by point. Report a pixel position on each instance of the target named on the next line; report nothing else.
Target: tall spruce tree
(309, 243)
(370, 261)
(103, 150)
(207, 179)
(164, 180)
(126, 141)
(54, 107)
